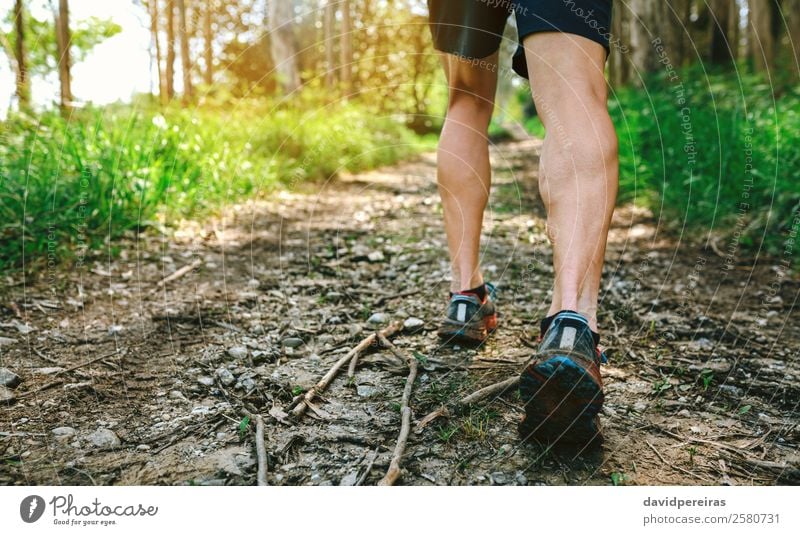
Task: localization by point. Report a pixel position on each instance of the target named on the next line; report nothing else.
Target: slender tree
(62, 48)
(186, 63)
(154, 27)
(283, 48)
(346, 49)
(170, 67)
(208, 41)
(762, 40)
(20, 54)
(792, 11)
(719, 22)
(328, 27)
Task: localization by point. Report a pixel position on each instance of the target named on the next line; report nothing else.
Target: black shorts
(474, 28)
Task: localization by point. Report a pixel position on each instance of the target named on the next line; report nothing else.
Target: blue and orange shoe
(561, 386)
(469, 319)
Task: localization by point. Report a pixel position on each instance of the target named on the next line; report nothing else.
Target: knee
(471, 95)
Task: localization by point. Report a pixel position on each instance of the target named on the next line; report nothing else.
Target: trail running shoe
(469, 320)
(561, 386)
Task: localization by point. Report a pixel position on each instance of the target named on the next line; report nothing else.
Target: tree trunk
(186, 63)
(328, 25)
(762, 45)
(284, 51)
(719, 22)
(734, 33)
(792, 11)
(62, 49)
(208, 38)
(170, 67)
(162, 90)
(346, 51)
(643, 31)
(22, 80)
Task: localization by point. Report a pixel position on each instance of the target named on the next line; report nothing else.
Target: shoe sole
(467, 333)
(562, 403)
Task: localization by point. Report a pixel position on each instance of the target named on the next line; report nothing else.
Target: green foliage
(74, 186)
(712, 154)
(85, 34)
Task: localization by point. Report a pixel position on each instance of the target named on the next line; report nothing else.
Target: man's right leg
(464, 179)
(464, 174)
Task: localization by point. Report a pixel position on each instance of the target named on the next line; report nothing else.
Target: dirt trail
(282, 289)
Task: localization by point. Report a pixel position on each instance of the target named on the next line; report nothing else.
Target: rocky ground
(113, 376)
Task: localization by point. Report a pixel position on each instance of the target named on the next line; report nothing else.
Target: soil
(150, 383)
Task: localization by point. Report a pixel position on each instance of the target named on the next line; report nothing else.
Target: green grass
(69, 188)
(713, 155)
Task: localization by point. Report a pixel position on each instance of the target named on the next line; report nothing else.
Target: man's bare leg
(464, 174)
(578, 170)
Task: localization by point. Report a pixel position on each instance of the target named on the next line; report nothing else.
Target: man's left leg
(562, 386)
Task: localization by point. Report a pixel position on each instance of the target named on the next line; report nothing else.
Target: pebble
(237, 352)
(412, 324)
(292, 342)
(521, 479)
(640, 406)
(225, 376)
(366, 391)
(143, 447)
(685, 413)
(9, 378)
(6, 395)
(4, 341)
(499, 478)
(115, 329)
(377, 318)
(376, 256)
(64, 433)
(206, 380)
(104, 438)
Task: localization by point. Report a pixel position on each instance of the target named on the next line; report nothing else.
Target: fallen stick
(323, 383)
(471, 399)
(405, 414)
(179, 273)
(261, 452)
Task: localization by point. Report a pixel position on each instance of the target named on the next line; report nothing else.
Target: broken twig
(471, 399)
(405, 414)
(261, 452)
(323, 383)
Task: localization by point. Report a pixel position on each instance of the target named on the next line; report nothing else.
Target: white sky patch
(114, 70)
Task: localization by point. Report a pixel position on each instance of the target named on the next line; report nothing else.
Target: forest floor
(133, 381)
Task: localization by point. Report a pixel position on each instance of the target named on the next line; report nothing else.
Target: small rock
(9, 378)
(22, 328)
(734, 391)
(685, 413)
(333, 296)
(499, 478)
(378, 318)
(104, 438)
(640, 406)
(206, 380)
(225, 376)
(366, 391)
(237, 352)
(143, 447)
(292, 342)
(253, 283)
(521, 479)
(376, 256)
(246, 384)
(349, 480)
(4, 341)
(115, 329)
(63, 433)
(6, 395)
(413, 324)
